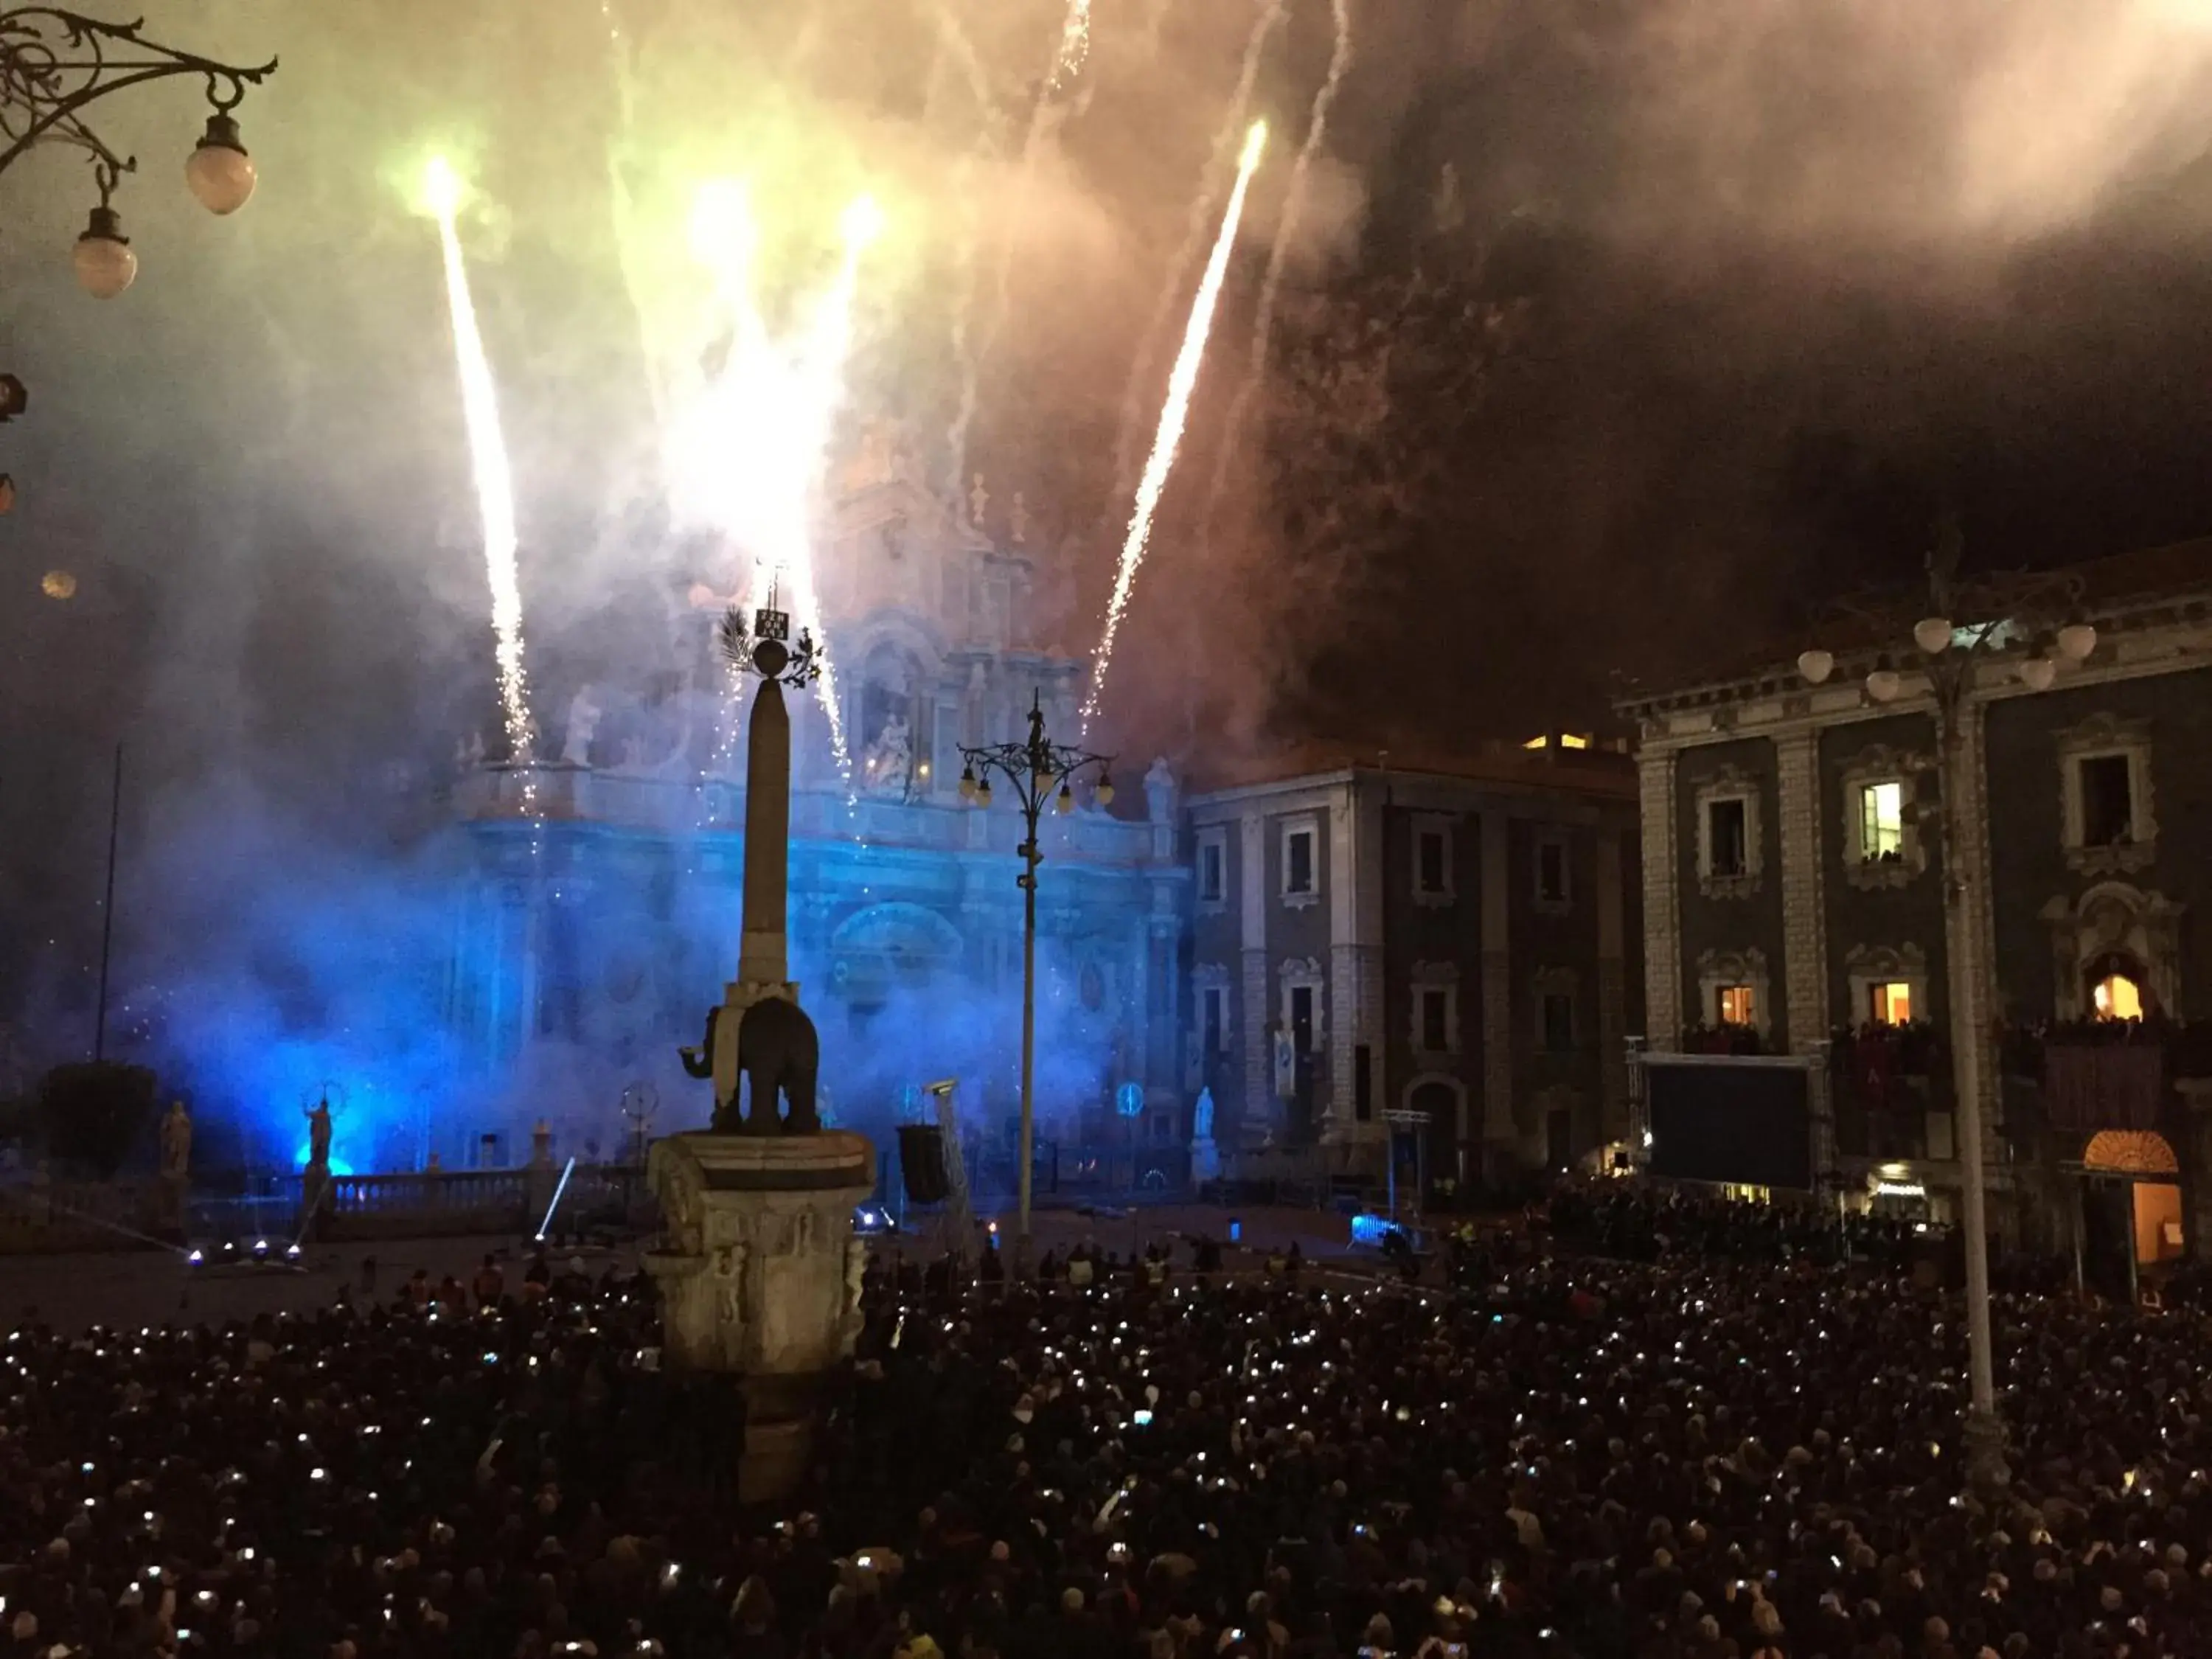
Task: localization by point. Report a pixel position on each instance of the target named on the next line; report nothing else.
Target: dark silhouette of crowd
(1741, 1456)
(1639, 1222)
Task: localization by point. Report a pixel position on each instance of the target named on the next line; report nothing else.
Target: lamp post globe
(1884, 684)
(103, 258)
(1816, 665)
(1932, 633)
(1103, 794)
(219, 172)
(2076, 641)
(2037, 672)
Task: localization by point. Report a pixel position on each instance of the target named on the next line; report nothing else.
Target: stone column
(1975, 978)
(1662, 912)
(1164, 1062)
(1611, 988)
(1355, 965)
(762, 952)
(763, 949)
(1501, 1132)
(1804, 905)
(1260, 1107)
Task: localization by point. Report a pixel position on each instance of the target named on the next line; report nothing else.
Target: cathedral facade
(599, 911)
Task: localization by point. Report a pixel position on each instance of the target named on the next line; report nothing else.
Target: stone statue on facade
(1160, 791)
(890, 761)
(1205, 1157)
(583, 725)
(176, 1142)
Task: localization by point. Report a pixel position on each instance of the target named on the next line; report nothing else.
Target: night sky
(1618, 336)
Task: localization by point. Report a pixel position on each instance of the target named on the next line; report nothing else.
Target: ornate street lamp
(2018, 611)
(1036, 770)
(54, 63)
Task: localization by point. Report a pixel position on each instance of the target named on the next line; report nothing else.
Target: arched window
(2116, 987)
(2117, 997)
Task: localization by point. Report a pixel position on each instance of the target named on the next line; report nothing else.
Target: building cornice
(2183, 617)
(1780, 705)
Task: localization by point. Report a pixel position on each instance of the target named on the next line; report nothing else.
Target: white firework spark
(1182, 382)
(1294, 202)
(494, 481)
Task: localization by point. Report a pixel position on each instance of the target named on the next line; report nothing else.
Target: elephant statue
(699, 1062)
(778, 1053)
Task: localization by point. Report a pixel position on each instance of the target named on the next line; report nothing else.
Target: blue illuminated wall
(586, 949)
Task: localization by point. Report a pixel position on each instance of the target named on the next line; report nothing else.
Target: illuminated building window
(1882, 820)
(1891, 1002)
(1733, 1004)
(2118, 997)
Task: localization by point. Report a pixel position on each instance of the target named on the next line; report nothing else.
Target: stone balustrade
(46, 1216)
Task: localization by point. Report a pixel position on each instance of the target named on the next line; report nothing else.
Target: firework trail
(1074, 45)
(494, 482)
(624, 210)
(747, 449)
(1193, 235)
(963, 349)
(1181, 382)
(1294, 201)
(990, 135)
(955, 41)
(829, 347)
(1074, 33)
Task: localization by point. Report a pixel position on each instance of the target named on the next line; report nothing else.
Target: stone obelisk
(757, 1267)
(764, 955)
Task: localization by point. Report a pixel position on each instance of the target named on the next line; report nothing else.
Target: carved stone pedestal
(759, 1275)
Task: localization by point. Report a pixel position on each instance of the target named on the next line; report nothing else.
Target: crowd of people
(1742, 1455)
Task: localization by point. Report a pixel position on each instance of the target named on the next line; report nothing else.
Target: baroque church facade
(598, 912)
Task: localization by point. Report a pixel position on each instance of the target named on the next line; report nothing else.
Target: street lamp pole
(1951, 655)
(1036, 769)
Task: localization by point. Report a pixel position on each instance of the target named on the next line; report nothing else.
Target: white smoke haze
(1750, 219)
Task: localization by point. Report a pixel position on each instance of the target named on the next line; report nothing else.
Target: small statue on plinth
(318, 1136)
(168, 1195)
(1205, 1157)
(176, 1143)
(583, 726)
(778, 1054)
